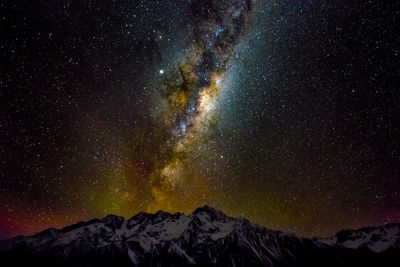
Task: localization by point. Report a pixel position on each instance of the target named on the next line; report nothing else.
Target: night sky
(284, 112)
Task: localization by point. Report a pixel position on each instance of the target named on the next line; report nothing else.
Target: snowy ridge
(377, 239)
(205, 237)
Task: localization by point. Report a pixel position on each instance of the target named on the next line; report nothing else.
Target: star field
(283, 112)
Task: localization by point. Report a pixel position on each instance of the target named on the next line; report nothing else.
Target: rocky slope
(206, 237)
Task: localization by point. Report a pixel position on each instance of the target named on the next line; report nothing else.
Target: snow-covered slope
(206, 237)
(377, 239)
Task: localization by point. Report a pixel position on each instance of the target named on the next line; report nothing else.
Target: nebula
(193, 88)
(283, 112)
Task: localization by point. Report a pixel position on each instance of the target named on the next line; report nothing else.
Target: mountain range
(207, 237)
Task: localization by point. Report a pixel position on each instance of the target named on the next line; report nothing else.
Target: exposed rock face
(206, 237)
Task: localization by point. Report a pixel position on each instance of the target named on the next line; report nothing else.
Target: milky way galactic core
(283, 112)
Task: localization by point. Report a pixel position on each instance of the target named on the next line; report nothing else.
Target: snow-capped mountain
(206, 237)
(377, 239)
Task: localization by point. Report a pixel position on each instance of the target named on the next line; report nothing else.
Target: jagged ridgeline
(207, 237)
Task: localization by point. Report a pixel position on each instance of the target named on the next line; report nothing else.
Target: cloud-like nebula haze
(283, 112)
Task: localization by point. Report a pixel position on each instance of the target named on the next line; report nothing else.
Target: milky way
(284, 112)
(192, 89)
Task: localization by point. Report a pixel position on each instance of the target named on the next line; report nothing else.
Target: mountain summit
(207, 237)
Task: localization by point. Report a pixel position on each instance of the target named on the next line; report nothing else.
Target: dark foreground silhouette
(206, 237)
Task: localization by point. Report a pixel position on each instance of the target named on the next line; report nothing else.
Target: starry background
(295, 126)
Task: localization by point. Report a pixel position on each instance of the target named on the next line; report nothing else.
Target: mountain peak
(114, 221)
(207, 237)
(375, 238)
(207, 209)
